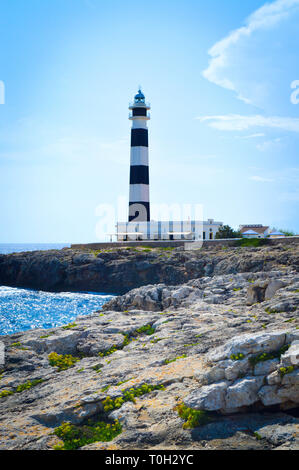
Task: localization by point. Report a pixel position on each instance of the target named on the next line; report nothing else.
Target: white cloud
(247, 60)
(236, 122)
(268, 145)
(260, 179)
(253, 136)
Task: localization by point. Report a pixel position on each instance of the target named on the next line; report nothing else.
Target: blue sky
(224, 131)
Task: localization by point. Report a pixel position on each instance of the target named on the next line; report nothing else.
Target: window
(204, 235)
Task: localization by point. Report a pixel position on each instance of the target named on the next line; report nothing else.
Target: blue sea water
(25, 309)
(6, 248)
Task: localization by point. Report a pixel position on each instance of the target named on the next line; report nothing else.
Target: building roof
(277, 233)
(250, 232)
(260, 229)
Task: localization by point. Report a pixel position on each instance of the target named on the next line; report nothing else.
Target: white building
(167, 230)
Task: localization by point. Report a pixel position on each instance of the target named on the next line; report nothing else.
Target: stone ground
(196, 326)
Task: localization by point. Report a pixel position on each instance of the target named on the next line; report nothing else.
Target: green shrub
(27, 385)
(62, 361)
(74, 437)
(288, 233)
(286, 370)
(192, 418)
(109, 351)
(5, 393)
(237, 357)
(69, 326)
(252, 242)
(225, 232)
(146, 329)
(21, 388)
(129, 395)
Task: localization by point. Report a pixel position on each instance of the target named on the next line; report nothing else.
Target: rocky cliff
(120, 270)
(210, 361)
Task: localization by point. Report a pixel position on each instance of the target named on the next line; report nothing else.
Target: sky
(223, 82)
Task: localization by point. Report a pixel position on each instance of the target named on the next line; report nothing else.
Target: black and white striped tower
(139, 204)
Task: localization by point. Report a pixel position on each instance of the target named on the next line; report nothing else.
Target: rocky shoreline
(202, 353)
(117, 271)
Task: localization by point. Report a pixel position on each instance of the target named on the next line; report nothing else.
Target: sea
(27, 309)
(6, 248)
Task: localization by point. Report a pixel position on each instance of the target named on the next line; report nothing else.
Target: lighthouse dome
(139, 98)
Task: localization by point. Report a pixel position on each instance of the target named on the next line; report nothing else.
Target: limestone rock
(210, 397)
(243, 392)
(256, 292)
(273, 286)
(266, 367)
(249, 344)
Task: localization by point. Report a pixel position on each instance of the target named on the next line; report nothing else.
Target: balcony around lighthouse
(145, 117)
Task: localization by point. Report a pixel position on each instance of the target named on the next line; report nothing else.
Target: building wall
(167, 230)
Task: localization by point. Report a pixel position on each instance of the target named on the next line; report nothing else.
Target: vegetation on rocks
(252, 242)
(286, 370)
(193, 418)
(62, 361)
(128, 338)
(74, 437)
(237, 357)
(109, 351)
(5, 393)
(69, 326)
(21, 388)
(146, 329)
(263, 357)
(168, 361)
(28, 385)
(111, 404)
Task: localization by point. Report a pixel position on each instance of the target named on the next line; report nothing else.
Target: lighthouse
(139, 202)
(140, 227)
